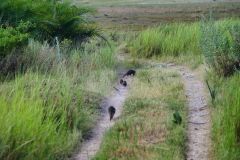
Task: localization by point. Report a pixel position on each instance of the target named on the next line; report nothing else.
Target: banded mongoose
(121, 81)
(124, 83)
(130, 72)
(111, 111)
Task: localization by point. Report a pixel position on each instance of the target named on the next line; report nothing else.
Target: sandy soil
(199, 123)
(117, 98)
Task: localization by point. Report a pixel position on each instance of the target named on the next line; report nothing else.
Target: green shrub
(10, 39)
(49, 19)
(220, 45)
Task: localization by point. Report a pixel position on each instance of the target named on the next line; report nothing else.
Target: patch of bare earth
(90, 147)
(199, 123)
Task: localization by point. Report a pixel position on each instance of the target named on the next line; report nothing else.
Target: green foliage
(226, 118)
(46, 111)
(218, 41)
(220, 45)
(177, 119)
(43, 112)
(49, 19)
(172, 39)
(10, 39)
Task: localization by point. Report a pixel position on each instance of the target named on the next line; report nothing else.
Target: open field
(137, 14)
(114, 3)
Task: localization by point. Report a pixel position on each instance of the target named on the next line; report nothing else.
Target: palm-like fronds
(50, 20)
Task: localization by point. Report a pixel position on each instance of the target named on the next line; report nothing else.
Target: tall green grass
(218, 41)
(226, 118)
(220, 45)
(39, 117)
(170, 39)
(50, 105)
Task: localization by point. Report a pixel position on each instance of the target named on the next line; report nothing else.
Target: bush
(220, 43)
(11, 39)
(49, 19)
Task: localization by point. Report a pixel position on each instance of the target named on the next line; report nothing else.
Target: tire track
(199, 123)
(90, 147)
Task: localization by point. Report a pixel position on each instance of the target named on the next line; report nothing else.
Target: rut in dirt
(90, 147)
(199, 121)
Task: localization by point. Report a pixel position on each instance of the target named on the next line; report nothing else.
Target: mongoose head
(124, 83)
(121, 81)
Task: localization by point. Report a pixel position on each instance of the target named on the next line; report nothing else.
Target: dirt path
(90, 147)
(199, 124)
(199, 121)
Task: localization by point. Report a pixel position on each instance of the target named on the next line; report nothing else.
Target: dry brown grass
(137, 17)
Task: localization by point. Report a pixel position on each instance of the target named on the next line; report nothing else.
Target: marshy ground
(136, 15)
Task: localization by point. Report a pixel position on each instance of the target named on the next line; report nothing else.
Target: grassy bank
(226, 119)
(51, 101)
(215, 43)
(182, 42)
(171, 40)
(146, 129)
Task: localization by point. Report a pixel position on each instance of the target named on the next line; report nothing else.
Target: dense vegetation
(45, 20)
(11, 38)
(48, 18)
(52, 78)
(53, 74)
(172, 40)
(46, 111)
(226, 119)
(219, 43)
